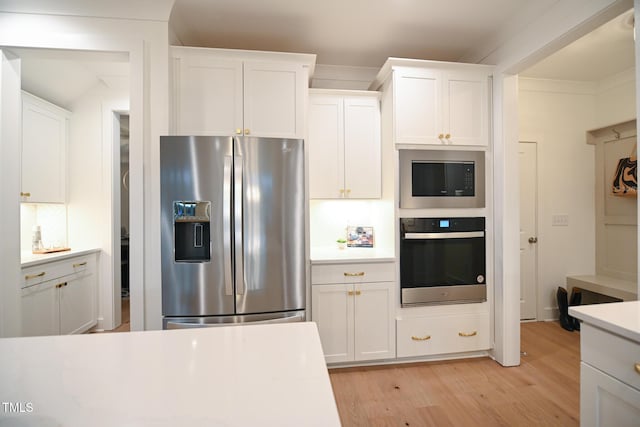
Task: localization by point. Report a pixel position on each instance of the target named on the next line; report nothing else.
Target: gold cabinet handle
(637, 367)
(33, 276)
(59, 285)
(441, 136)
(447, 136)
(348, 191)
(358, 292)
(22, 194)
(80, 264)
(238, 131)
(468, 334)
(350, 293)
(358, 274)
(246, 131)
(425, 338)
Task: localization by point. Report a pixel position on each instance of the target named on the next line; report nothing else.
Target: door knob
(533, 240)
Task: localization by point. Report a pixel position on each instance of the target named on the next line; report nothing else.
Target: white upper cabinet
(438, 103)
(344, 145)
(44, 150)
(221, 92)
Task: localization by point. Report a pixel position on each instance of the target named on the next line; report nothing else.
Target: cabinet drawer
(612, 354)
(424, 336)
(77, 267)
(353, 273)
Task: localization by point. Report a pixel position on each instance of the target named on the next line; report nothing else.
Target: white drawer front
(78, 266)
(353, 273)
(612, 354)
(425, 336)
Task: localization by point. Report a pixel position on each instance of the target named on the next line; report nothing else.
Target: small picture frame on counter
(360, 237)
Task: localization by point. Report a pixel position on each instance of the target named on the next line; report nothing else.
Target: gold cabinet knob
(447, 136)
(246, 131)
(637, 367)
(348, 191)
(425, 338)
(441, 136)
(350, 293)
(238, 131)
(468, 334)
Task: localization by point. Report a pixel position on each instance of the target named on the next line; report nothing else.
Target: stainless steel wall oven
(442, 260)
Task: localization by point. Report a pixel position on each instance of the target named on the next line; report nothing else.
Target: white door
(374, 322)
(326, 147)
(274, 99)
(40, 309)
(362, 164)
(417, 112)
(332, 310)
(208, 95)
(528, 230)
(77, 298)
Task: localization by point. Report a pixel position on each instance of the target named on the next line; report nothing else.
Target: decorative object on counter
(342, 243)
(36, 239)
(625, 178)
(50, 250)
(360, 237)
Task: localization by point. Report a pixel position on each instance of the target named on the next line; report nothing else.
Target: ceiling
(355, 33)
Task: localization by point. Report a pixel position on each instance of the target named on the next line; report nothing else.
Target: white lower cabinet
(609, 379)
(354, 318)
(432, 335)
(64, 301)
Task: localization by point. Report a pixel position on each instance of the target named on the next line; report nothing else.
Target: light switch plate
(560, 220)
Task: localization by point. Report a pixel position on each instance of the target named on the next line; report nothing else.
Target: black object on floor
(576, 299)
(563, 306)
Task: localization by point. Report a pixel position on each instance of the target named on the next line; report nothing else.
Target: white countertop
(333, 255)
(252, 375)
(620, 318)
(28, 259)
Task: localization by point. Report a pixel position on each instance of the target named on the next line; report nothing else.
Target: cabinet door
(326, 147)
(465, 106)
(417, 112)
(362, 163)
(208, 95)
(40, 310)
(332, 310)
(274, 99)
(77, 305)
(44, 136)
(606, 401)
(374, 322)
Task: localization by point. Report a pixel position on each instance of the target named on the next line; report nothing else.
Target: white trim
(529, 84)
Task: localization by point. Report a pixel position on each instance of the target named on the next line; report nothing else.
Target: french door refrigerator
(233, 230)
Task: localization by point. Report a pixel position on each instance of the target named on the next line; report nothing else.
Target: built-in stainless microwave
(441, 179)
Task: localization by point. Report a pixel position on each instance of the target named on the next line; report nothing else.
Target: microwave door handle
(454, 235)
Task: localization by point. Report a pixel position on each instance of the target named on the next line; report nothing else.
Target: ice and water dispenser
(192, 232)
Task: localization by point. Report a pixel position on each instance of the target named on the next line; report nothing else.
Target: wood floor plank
(542, 391)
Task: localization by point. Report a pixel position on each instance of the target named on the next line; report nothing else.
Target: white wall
(616, 99)
(556, 115)
(90, 185)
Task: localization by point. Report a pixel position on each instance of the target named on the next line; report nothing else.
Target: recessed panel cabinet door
(40, 310)
(465, 106)
(417, 106)
(326, 147)
(362, 164)
(374, 321)
(44, 145)
(208, 95)
(274, 99)
(77, 306)
(332, 310)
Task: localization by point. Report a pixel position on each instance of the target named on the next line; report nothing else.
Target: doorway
(123, 120)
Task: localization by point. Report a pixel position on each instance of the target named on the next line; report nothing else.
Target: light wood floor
(125, 326)
(543, 391)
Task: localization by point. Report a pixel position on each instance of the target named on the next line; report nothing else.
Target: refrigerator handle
(237, 219)
(226, 225)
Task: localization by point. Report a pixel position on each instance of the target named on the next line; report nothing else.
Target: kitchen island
(266, 375)
(610, 363)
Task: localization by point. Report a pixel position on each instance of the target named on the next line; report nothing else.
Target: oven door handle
(429, 236)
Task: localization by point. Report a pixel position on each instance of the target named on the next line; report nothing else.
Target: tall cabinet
(344, 143)
(234, 92)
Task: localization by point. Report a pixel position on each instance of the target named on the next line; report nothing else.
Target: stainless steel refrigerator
(233, 230)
